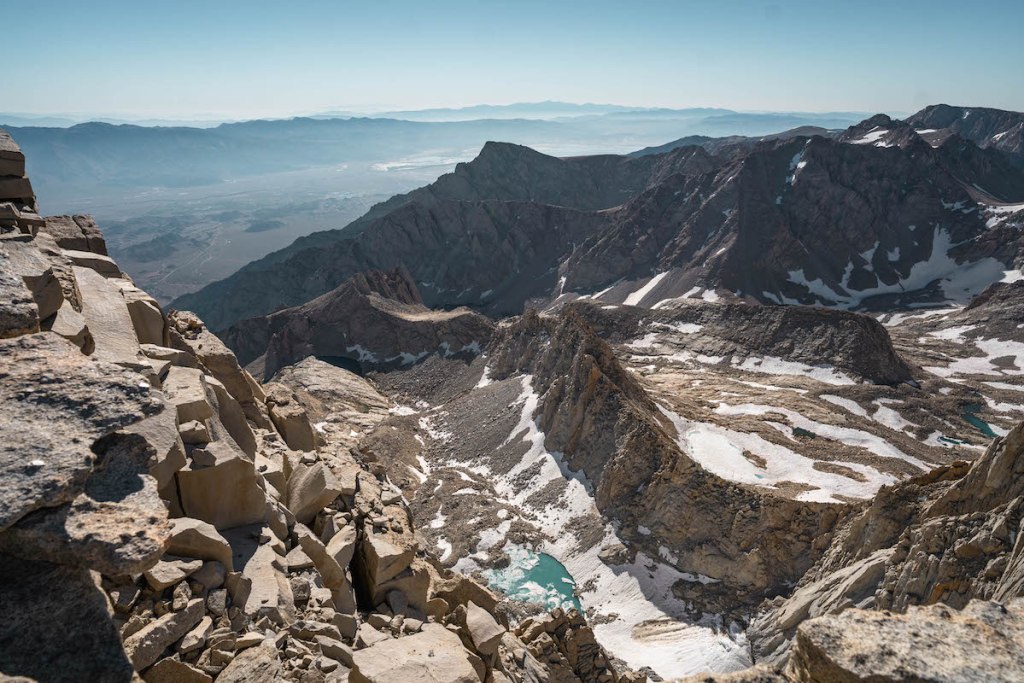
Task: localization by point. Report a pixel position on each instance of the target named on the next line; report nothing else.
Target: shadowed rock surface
(376, 320)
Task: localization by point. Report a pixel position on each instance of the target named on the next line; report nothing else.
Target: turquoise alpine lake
(970, 416)
(534, 577)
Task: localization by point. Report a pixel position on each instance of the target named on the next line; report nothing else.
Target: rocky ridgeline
(853, 343)
(595, 412)
(376, 319)
(164, 515)
(950, 535)
(878, 217)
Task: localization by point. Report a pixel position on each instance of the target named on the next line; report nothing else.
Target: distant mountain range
(520, 110)
(879, 215)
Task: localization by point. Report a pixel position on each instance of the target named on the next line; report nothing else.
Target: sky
(259, 59)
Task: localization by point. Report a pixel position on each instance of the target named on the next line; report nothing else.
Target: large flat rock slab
(56, 404)
(434, 655)
(984, 642)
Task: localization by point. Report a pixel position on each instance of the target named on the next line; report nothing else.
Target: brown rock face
(77, 233)
(17, 200)
(376, 320)
(18, 312)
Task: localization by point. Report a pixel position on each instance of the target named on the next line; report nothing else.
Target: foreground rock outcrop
(983, 642)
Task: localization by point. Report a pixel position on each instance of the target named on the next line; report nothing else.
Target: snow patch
(958, 281)
(636, 297)
(846, 404)
(771, 365)
(721, 451)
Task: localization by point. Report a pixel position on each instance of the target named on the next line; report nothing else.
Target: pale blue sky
(187, 58)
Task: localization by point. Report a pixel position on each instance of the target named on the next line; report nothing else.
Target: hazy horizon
(197, 61)
(374, 111)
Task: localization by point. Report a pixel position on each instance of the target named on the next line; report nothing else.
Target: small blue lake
(971, 417)
(534, 577)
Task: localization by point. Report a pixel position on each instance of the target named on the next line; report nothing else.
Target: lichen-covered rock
(984, 642)
(116, 525)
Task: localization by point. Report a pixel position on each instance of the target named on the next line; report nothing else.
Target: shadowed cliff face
(880, 216)
(510, 211)
(375, 321)
(988, 128)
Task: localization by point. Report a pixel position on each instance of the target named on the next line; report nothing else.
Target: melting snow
(598, 295)
(635, 595)
(636, 297)
(993, 349)
(772, 365)
(890, 418)
(720, 451)
(485, 379)
(399, 409)
(952, 333)
(845, 403)
(1004, 385)
(871, 137)
(959, 282)
(851, 437)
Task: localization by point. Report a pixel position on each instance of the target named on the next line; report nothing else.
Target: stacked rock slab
(17, 200)
(164, 516)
